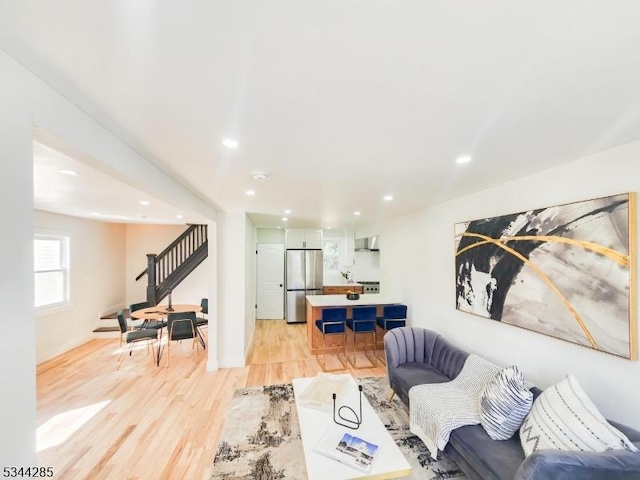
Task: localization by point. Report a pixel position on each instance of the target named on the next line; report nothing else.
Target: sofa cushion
(415, 373)
(488, 458)
(564, 418)
(505, 403)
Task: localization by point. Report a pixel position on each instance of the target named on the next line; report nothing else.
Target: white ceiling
(342, 102)
(95, 195)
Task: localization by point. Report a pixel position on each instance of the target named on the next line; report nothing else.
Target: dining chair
(146, 323)
(203, 321)
(182, 326)
(131, 337)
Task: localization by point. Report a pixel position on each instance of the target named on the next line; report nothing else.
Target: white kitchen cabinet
(313, 239)
(303, 239)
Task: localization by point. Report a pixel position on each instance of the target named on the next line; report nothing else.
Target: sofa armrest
(563, 465)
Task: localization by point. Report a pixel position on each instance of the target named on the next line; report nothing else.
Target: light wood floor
(144, 422)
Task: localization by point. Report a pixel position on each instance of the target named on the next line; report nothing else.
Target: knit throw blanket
(438, 409)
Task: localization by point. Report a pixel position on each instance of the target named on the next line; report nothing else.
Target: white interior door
(270, 281)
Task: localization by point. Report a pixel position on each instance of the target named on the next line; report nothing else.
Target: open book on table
(348, 448)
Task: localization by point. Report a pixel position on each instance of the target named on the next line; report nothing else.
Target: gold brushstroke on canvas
(538, 272)
(618, 257)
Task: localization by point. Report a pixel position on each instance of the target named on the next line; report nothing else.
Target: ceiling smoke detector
(260, 176)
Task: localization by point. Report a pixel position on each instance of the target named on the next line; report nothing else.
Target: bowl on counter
(353, 296)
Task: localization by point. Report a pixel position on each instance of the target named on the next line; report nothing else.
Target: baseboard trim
(231, 362)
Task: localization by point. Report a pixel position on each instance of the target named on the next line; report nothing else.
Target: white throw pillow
(564, 418)
(505, 403)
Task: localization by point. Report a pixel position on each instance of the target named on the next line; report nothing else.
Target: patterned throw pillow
(564, 418)
(505, 403)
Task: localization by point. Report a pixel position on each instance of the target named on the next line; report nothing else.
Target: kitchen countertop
(342, 301)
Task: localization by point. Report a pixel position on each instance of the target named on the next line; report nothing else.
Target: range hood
(369, 244)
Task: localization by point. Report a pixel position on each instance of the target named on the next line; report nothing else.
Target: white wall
(212, 269)
(18, 353)
(270, 235)
(418, 267)
(96, 273)
(231, 289)
(250, 283)
(367, 266)
(143, 239)
(27, 104)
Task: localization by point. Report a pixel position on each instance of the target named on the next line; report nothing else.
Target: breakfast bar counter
(315, 304)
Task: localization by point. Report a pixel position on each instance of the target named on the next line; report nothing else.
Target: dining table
(160, 312)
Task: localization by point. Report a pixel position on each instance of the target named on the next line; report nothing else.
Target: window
(331, 255)
(50, 259)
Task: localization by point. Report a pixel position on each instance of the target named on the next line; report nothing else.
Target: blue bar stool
(333, 322)
(393, 316)
(363, 323)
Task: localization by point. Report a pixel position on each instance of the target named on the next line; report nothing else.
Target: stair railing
(167, 264)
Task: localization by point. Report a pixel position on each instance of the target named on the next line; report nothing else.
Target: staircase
(166, 270)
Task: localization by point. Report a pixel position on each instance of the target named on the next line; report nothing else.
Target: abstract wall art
(566, 271)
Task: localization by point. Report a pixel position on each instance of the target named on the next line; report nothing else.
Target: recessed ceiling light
(144, 202)
(95, 214)
(179, 216)
(250, 193)
(328, 228)
(230, 143)
(356, 213)
(287, 211)
(284, 219)
(388, 198)
(71, 173)
(463, 159)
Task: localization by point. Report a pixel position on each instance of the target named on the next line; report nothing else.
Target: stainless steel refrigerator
(303, 277)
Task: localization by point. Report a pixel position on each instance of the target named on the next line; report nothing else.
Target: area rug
(261, 436)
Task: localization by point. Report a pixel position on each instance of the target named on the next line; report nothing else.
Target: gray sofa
(416, 356)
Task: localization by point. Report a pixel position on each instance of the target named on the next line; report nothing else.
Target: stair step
(106, 329)
(107, 325)
(114, 315)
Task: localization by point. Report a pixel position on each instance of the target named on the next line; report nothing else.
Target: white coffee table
(389, 463)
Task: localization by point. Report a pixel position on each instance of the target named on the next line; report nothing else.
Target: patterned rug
(261, 436)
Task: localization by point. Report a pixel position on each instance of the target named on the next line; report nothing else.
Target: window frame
(65, 253)
(340, 243)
